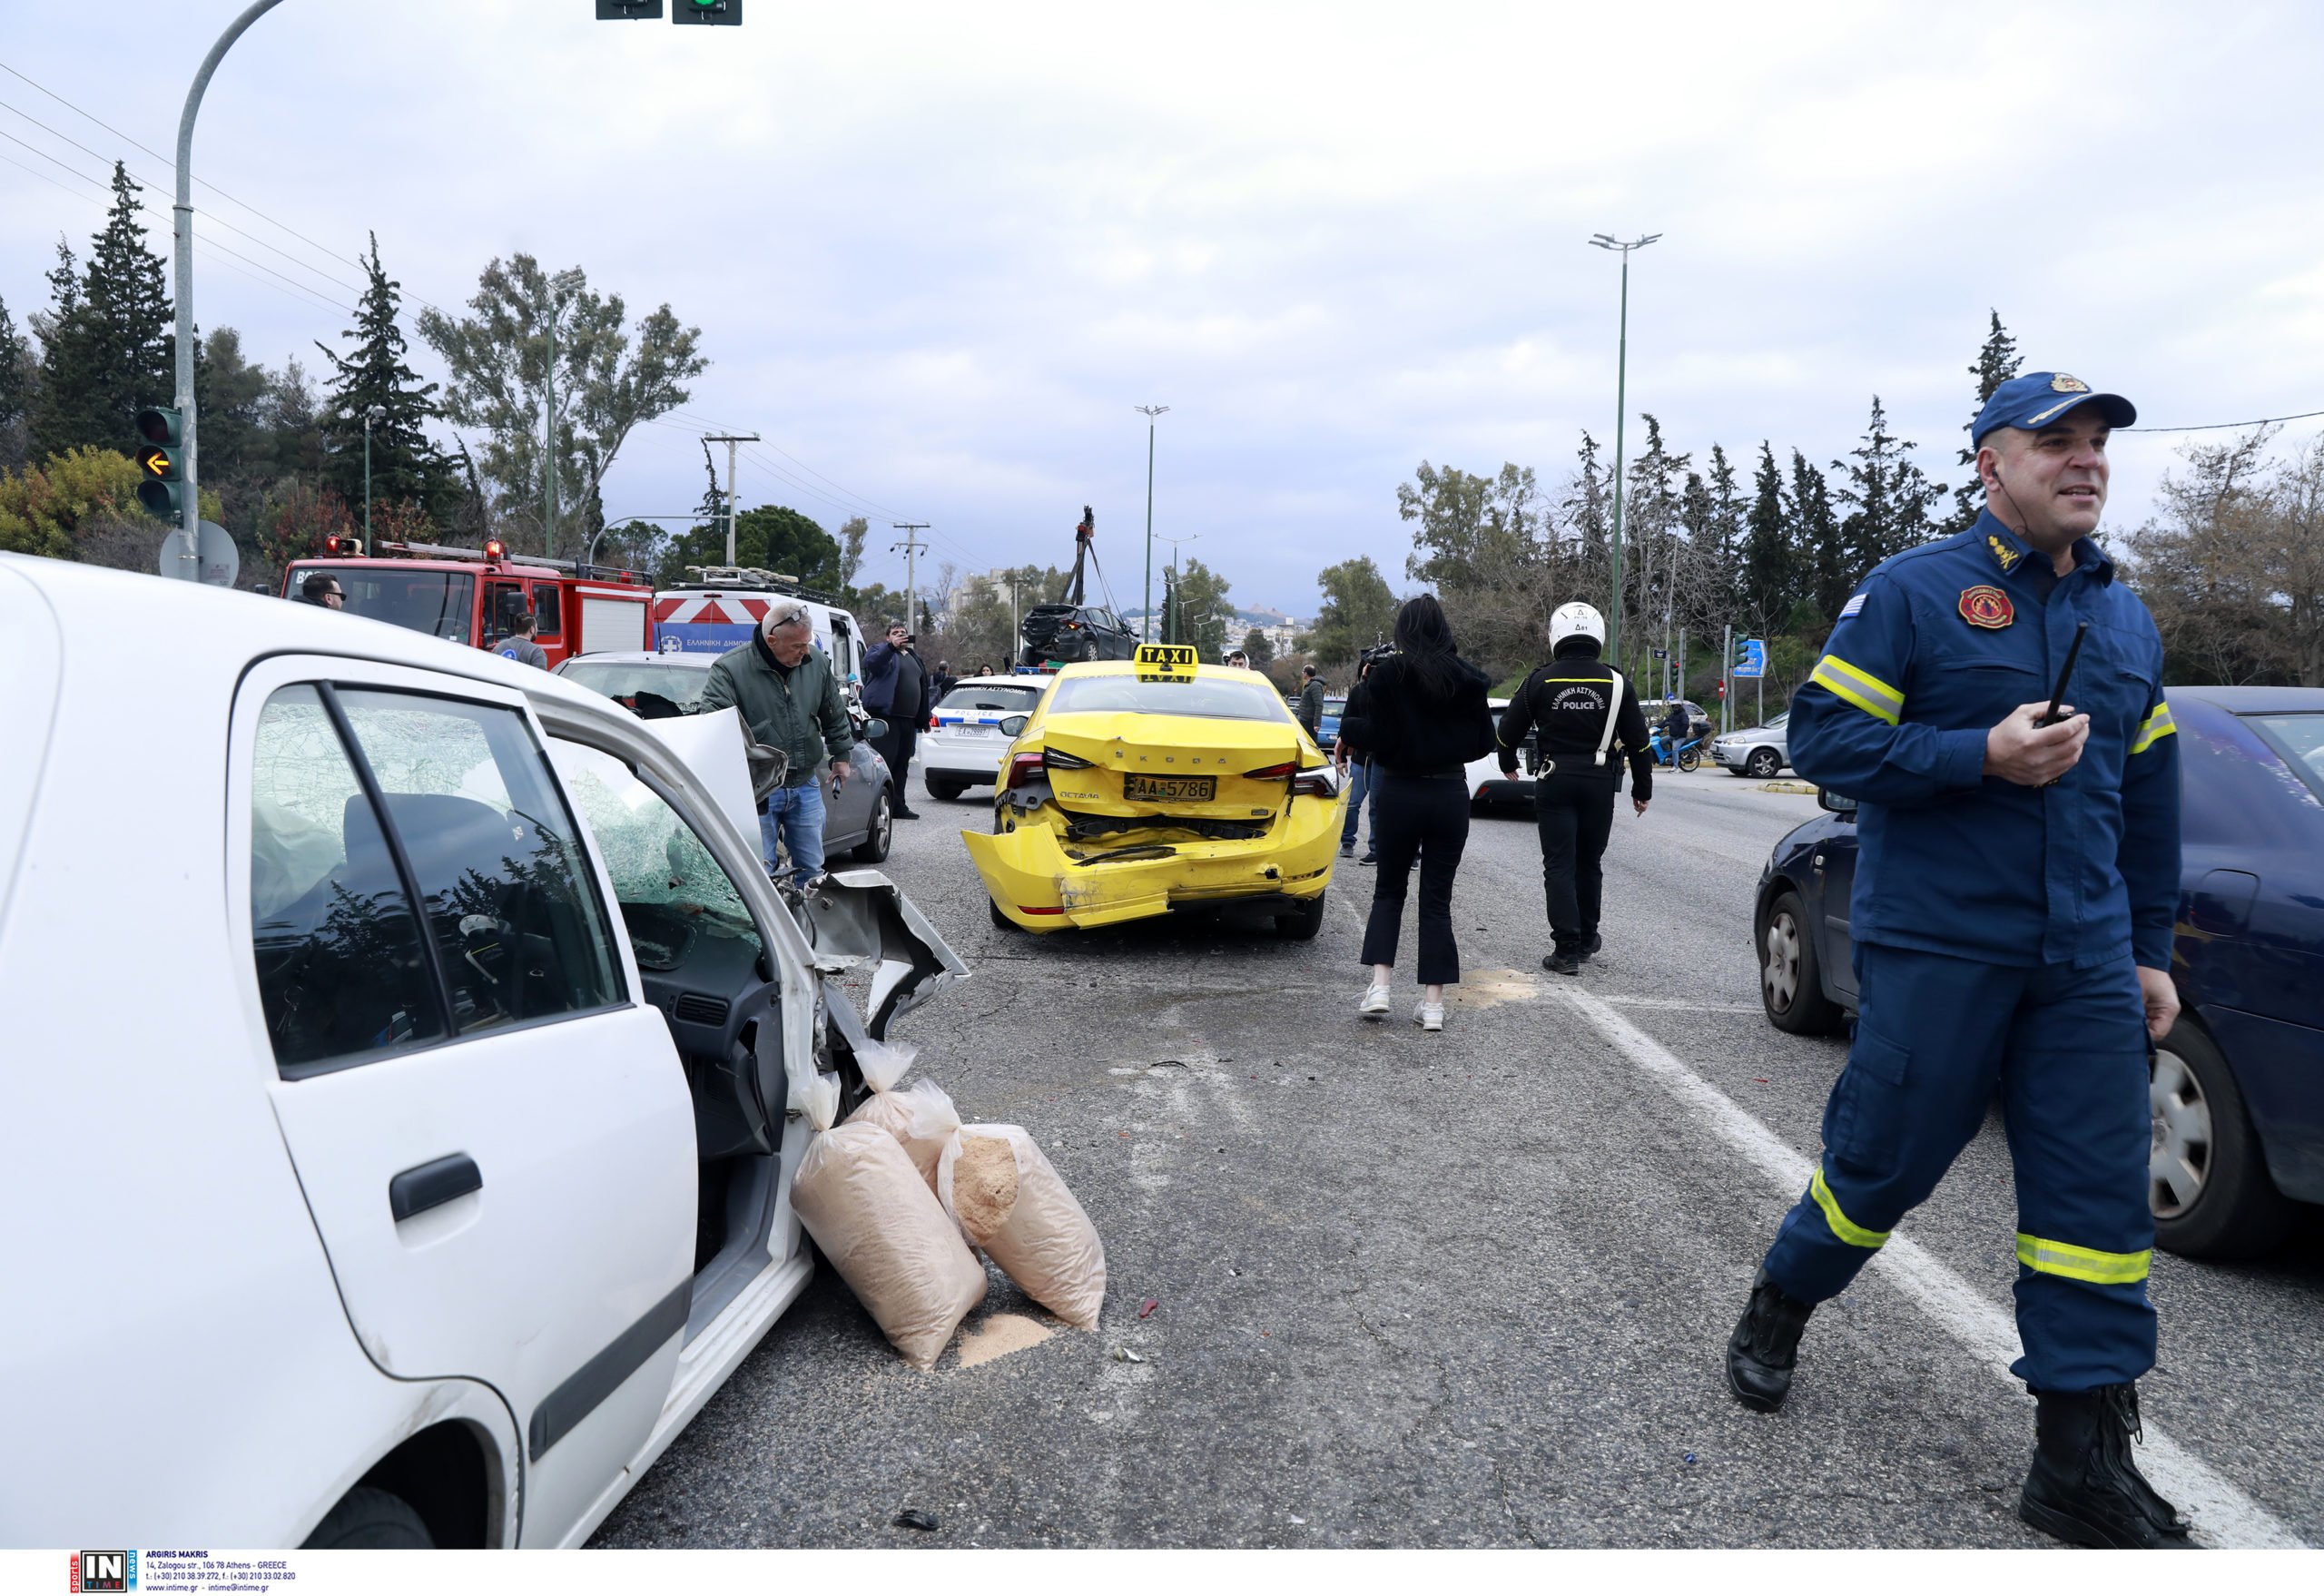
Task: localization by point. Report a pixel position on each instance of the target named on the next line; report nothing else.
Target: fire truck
(476, 596)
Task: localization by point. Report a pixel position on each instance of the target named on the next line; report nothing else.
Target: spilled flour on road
(1000, 1336)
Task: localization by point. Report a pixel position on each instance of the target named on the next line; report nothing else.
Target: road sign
(1750, 656)
(1662, 653)
(220, 562)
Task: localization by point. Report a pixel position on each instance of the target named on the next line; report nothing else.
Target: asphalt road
(1465, 1289)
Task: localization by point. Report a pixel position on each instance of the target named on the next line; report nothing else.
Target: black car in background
(1068, 634)
(2238, 1086)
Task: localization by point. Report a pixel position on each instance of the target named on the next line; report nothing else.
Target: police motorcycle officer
(2017, 876)
(1577, 708)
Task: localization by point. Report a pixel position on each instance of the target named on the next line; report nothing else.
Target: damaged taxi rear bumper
(1040, 881)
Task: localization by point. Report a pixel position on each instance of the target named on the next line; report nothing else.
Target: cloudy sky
(939, 252)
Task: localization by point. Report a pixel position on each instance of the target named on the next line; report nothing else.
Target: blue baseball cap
(2041, 397)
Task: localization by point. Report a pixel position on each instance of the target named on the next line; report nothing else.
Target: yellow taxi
(1144, 785)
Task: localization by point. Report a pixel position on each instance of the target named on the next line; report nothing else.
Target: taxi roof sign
(1167, 661)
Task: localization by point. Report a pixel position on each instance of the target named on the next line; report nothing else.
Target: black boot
(1562, 962)
(1765, 1346)
(1589, 948)
(2085, 1487)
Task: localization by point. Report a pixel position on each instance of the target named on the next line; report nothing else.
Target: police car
(963, 745)
(393, 1134)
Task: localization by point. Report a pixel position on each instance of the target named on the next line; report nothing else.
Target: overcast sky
(939, 252)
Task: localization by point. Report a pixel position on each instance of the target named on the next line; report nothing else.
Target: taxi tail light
(1057, 759)
(1022, 768)
(1315, 783)
(1272, 772)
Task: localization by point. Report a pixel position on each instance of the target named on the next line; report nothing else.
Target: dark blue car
(2238, 1086)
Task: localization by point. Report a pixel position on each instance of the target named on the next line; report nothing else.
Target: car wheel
(368, 1519)
(2207, 1181)
(1791, 977)
(880, 833)
(945, 788)
(1764, 762)
(1302, 923)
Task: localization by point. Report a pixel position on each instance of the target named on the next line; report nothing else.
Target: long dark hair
(1425, 644)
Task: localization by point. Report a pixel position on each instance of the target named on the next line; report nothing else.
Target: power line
(324, 249)
(2227, 426)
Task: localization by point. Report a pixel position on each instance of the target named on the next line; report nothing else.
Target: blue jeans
(797, 812)
(1359, 789)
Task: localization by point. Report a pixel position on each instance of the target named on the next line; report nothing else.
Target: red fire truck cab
(475, 596)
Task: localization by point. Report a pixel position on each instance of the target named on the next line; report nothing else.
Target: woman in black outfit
(1421, 714)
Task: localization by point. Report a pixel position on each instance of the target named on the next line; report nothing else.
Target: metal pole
(1146, 621)
(367, 481)
(1622, 405)
(911, 568)
(1726, 675)
(733, 445)
(182, 267)
(548, 437)
(1759, 687)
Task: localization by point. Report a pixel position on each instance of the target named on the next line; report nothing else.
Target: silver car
(860, 815)
(1758, 752)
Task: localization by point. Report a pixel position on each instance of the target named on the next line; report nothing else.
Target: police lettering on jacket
(1565, 705)
(1936, 647)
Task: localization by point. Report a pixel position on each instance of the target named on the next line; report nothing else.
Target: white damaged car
(394, 1136)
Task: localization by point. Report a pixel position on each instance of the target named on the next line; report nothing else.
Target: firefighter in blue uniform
(2016, 882)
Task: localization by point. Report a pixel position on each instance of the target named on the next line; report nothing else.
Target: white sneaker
(1429, 1016)
(1375, 1003)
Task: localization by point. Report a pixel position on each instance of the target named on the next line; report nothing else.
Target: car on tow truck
(405, 1118)
(1140, 787)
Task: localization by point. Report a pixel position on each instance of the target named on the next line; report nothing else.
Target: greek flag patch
(1851, 606)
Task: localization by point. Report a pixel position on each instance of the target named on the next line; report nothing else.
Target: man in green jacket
(783, 686)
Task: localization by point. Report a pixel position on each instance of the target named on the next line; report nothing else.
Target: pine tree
(111, 349)
(1770, 560)
(1888, 495)
(374, 380)
(16, 393)
(1827, 581)
(1996, 363)
(63, 416)
(1586, 508)
(1727, 520)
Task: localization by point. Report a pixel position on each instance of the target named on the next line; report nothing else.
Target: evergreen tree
(114, 344)
(1727, 523)
(1996, 363)
(374, 380)
(16, 393)
(1827, 581)
(1770, 558)
(1586, 507)
(63, 416)
(229, 397)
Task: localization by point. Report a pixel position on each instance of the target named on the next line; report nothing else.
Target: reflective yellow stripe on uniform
(1846, 1228)
(2082, 1263)
(2158, 726)
(1867, 691)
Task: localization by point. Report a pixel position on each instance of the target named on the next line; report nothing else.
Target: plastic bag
(1010, 1201)
(863, 1202)
(921, 1116)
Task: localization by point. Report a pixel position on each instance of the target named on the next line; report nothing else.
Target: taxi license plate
(1170, 789)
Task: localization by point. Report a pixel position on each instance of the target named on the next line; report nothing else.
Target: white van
(724, 606)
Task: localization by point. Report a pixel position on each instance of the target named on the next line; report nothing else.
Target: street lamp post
(1605, 241)
(374, 413)
(1146, 621)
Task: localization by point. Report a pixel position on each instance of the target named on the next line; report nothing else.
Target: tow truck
(476, 596)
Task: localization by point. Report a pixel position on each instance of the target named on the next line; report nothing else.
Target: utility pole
(1726, 675)
(371, 414)
(1146, 621)
(1177, 600)
(912, 547)
(731, 440)
(1621, 403)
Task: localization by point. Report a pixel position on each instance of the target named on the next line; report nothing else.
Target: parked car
(2238, 1086)
(859, 817)
(1065, 633)
(1489, 791)
(426, 1169)
(963, 745)
(1758, 752)
(1135, 789)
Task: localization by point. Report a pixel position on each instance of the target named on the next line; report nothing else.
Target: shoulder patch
(1852, 606)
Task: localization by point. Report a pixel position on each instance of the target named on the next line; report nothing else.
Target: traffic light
(1742, 653)
(160, 483)
(707, 12)
(630, 10)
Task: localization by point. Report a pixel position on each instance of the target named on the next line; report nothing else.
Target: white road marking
(2224, 1516)
(1682, 1003)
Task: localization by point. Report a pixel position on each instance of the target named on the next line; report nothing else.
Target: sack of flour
(1010, 1201)
(867, 1207)
(919, 1117)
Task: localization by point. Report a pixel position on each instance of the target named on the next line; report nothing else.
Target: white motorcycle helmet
(1577, 620)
